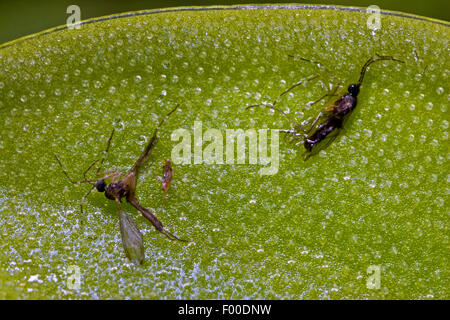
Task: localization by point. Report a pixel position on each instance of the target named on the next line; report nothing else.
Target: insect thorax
(116, 190)
(347, 104)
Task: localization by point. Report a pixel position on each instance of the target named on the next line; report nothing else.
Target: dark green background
(22, 17)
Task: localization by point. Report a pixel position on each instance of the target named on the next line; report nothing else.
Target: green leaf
(375, 202)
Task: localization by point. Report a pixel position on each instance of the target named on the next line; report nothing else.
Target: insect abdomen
(322, 132)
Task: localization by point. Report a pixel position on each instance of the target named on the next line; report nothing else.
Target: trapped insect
(329, 121)
(124, 186)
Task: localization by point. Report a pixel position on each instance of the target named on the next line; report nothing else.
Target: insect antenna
(373, 59)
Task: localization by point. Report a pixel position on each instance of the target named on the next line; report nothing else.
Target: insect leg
(84, 174)
(88, 169)
(144, 155)
(153, 140)
(272, 107)
(152, 218)
(293, 134)
(332, 93)
(314, 122)
(83, 202)
(296, 85)
(319, 64)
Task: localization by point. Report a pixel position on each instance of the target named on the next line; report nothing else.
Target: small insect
(166, 180)
(124, 186)
(332, 118)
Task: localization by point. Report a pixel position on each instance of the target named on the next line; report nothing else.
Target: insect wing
(131, 238)
(322, 145)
